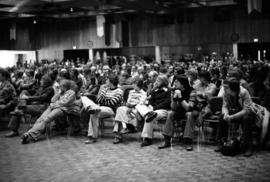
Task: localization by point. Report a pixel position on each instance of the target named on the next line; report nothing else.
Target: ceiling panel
(64, 8)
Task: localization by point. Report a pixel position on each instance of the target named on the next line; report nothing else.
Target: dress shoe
(146, 142)
(117, 140)
(12, 134)
(189, 147)
(164, 145)
(92, 111)
(25, 139)
(125, 131)
(218, 149)
(150, 116)
(248, 153)
(91, 140)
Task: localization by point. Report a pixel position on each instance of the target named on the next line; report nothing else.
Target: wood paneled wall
(50, 38)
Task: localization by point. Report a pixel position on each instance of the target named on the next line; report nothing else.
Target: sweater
(112, 98)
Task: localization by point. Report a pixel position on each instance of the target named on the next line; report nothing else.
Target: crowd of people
(136, 94)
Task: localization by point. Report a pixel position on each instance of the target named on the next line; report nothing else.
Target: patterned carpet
(64, 158)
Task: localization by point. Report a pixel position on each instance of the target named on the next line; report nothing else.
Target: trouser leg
(168, 128)
(190, 124)
(48, 116)
(222, 129)
(246, 122)
(148, 127)
(14, 123)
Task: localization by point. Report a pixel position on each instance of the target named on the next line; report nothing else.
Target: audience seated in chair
(33, 105)
(157, 108)
(197, 106)
(7, 93)
(62, 103)
(127, 114)
(180, 94)
(110, 97)
(237, 108)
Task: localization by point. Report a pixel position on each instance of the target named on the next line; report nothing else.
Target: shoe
(146, 142)
(25, 139)
(189, 147)
(125, 131)
(91, 140)
(164, 145)
(167, 142)
(92, 111)
(12, 134)
(150, 116)
(248, 153)
(117, 140)
(218, 149)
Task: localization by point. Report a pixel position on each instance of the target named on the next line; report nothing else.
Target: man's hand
(24, 97)
(227, 117)
(177, 94)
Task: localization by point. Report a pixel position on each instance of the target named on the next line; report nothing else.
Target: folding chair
(215, 104)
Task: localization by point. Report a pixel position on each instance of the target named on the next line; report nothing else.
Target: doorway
(74, 55)
(254, 51)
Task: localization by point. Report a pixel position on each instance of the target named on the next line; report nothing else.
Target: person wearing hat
(237, 108)
(31, 104)
(233, 73)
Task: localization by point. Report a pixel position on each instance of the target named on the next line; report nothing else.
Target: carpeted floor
(63, 158)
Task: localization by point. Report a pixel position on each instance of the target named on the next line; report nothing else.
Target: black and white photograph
(134, 90)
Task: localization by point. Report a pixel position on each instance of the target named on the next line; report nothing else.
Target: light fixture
(256, 40)
(34, 22)
(71, 10)
(74, 47)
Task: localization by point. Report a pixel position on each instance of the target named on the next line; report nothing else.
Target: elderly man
(157, 109)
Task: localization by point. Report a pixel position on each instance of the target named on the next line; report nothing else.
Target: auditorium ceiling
(81, 8)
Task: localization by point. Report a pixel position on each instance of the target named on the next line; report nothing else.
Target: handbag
(231, 146)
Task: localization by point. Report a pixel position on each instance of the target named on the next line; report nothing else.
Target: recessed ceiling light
(71, 9)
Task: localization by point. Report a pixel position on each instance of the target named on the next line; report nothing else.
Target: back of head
(5, 73)
(206, 75)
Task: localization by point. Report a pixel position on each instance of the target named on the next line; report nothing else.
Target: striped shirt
(112, 98)
(136, 97)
